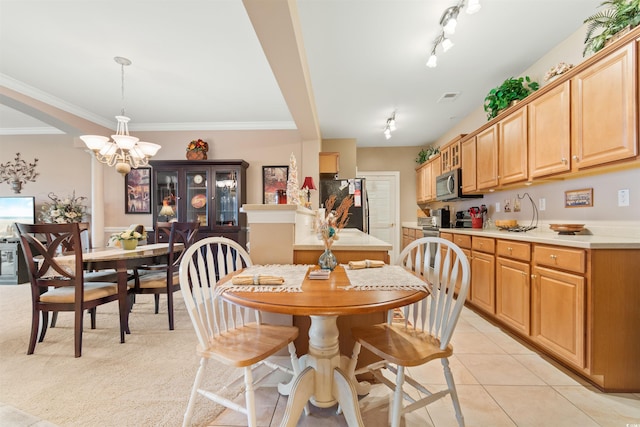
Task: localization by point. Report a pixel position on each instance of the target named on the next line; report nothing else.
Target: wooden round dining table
(322, 376)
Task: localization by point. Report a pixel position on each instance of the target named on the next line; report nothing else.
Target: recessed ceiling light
(449, 97)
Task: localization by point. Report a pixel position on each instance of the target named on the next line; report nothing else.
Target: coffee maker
(442, 217)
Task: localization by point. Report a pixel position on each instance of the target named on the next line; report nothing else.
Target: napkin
(257, 279)
(367, 263)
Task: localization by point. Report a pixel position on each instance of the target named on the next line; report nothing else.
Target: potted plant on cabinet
(426, 154)
(510, 90)
(617, 17)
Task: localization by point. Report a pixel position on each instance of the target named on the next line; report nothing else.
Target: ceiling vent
(449, 97)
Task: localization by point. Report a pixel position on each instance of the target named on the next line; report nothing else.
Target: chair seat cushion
(400, 345)
(249, 344)
(157, 280)
(92, 291)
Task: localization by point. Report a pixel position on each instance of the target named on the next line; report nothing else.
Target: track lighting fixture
(390, 126)
(448, 23)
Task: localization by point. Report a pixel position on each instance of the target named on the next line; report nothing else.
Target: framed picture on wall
(578, 198)
(274, 179)
(137, 191)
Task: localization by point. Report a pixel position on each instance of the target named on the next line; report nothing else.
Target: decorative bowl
(199, 201)
(567, 229)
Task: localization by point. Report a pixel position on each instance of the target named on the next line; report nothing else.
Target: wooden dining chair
(425, 333)
(227, 333)
(56, 286)
(90, 275)
(163, 278)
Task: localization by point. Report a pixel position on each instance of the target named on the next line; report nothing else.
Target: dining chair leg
(157, 300)
(79, 315)
(452, 391)
(35, 325)
(54, 319)
(249, 397)
(170, 309)
(92, 313)
(45, 322)
(397, 398)
(186, 421)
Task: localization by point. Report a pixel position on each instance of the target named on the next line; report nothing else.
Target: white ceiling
(198, 65)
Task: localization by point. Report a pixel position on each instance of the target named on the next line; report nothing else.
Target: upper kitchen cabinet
(329, 162)
(512, 148)
(604, 110)
(450, 155)
(468, 162)
(487, 158)
(210, 192)
(426, 180)
(549, 132)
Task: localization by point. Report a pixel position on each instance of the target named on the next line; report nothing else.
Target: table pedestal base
(322, 380)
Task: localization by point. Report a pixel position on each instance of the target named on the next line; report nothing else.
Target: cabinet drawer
(515, 250)
(483, 244)
(462, 241)
(564, 258)
(447, 236)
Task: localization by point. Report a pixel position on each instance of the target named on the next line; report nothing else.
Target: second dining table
(324, 376)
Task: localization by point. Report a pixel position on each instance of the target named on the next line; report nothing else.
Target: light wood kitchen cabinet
(483, 267)
(604, 110)
(558, 313)
(487, 158)
(512, 148)
(468, 162)
(329, 162)
(513, 292)
(549, 133)
(426, 180)
(450, 155)
(409, 235)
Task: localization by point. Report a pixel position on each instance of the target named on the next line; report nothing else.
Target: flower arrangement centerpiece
(128, 239)
(556, 70)
(63, 211)
(197, 150)
(328, 228)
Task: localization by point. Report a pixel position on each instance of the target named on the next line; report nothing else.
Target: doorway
(383, 192)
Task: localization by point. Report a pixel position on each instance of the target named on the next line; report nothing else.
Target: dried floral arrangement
(556, 70)
(328, 227)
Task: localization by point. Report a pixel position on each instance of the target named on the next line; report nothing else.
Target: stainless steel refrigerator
(359, 212)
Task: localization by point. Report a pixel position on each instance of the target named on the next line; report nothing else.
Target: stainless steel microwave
(449, 187)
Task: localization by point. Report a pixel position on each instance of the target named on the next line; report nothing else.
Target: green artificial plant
(424, 154)
(618, 15)
(511, 89)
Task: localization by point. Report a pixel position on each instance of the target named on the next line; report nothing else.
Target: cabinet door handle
(533, 276)
(575, 158)
(553, 257)
(510, 249)
(564, 161)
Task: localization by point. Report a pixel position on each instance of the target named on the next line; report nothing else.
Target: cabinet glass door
(166, 195)
(226, 200)
(197, 208)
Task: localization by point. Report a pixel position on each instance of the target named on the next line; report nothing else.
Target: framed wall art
(274, 179)
(137, 187)
(578, 198)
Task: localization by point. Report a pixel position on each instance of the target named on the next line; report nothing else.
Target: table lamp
(308, 185)
(166, 210)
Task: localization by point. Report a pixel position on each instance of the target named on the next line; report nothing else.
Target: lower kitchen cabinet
(513, 293)
(558, 313)
(483, 274)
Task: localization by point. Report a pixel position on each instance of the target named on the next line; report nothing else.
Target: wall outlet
(623, 197)
(542, 204)
(497, 206)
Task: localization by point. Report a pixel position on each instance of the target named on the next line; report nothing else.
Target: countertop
(349, 240)
(601, 237)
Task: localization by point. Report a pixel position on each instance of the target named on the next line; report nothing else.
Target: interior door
(384, 217)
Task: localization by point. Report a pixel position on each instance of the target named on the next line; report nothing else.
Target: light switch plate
(497, 206)
(542, 204)
(623, 197)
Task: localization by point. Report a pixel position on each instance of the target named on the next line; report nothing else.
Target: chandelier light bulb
(450, 26)
(392, 124)
(473, 7)
(387, 133)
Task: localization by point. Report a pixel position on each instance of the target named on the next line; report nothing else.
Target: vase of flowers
(128, 239)
(328, 227)
(197, 150)
(63, 211)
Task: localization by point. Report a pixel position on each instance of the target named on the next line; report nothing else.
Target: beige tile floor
(500, 382)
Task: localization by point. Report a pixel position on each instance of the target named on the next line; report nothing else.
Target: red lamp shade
(308, 184)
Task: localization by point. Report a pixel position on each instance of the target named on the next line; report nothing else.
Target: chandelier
(124, 152)
(448, 23)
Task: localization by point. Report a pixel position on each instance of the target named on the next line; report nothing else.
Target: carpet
(144, 382)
